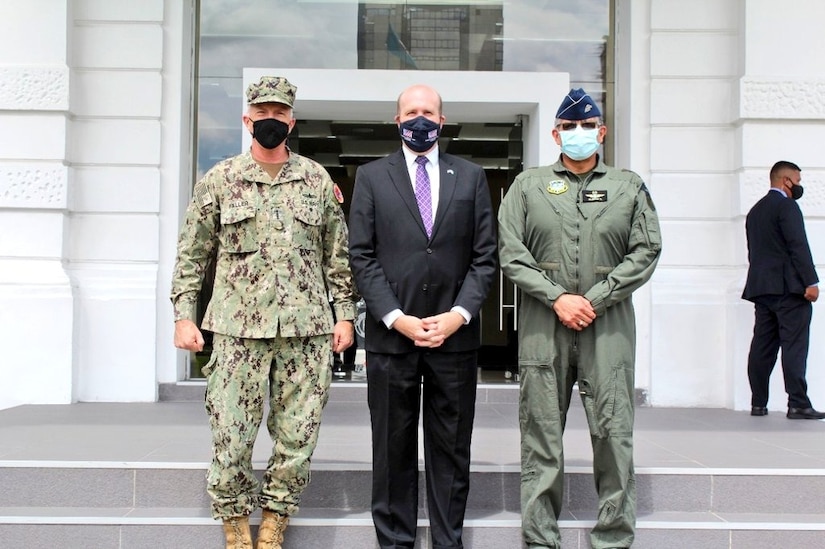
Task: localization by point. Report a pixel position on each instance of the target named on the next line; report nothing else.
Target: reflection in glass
(528, 35)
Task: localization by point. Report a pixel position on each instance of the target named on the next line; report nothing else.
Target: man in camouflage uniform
(577, 238)
(271, 220)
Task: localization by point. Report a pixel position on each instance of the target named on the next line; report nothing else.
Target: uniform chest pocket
(306, 231)
(239, 233)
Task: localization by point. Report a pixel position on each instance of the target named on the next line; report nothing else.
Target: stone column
(116, 103)
(36, 320)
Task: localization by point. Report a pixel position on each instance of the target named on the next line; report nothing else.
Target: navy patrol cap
(271, 89)
(578, 105)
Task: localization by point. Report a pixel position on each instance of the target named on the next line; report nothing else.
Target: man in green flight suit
(282, 303)
(577, 238)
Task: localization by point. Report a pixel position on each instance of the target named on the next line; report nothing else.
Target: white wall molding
(41, 185)
(34, 88)
(781, 98)
(753, 184)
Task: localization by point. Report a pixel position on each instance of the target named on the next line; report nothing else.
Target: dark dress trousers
(397, 267)
(781, 268)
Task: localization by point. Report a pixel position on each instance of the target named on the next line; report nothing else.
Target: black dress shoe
(759, 411)
(804, 413)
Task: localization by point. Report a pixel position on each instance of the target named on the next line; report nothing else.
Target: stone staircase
(152, 502)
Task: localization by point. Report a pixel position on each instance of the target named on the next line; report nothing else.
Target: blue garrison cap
(578, 105)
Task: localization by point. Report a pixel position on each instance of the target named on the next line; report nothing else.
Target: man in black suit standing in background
(423, 252)
(782, 284)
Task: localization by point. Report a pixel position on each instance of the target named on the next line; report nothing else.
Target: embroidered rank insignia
(339, 196)
(594, 196)
(557, 186)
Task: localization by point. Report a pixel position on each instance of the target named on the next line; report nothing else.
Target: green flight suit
(596, 235)
(281, 273)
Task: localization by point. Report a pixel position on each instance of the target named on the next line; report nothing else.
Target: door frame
(469, 96)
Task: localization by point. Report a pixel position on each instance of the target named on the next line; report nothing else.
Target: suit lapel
(447, 174)
(400, 177)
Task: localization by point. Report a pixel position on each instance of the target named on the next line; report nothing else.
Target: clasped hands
(574, 311)
(429, 332)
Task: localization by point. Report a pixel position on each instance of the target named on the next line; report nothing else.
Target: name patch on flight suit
(557, 186)
(594, 196)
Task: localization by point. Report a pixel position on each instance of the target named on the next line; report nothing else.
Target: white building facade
(96, 168)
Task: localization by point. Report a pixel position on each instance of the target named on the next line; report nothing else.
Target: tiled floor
(177, 432)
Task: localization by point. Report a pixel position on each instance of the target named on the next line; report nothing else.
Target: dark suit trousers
(781, 322)
(395, 393)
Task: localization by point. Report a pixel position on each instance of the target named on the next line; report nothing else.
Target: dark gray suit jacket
(778, 251)
(397, 267)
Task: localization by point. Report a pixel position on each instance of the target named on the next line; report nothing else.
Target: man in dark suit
(423, 252)
(782, 284)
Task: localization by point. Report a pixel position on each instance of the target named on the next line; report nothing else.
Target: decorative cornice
(34, 88)
(782, 99)
(33, 186)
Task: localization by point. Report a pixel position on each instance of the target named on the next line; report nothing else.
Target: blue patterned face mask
(420, 134)
(579, 144)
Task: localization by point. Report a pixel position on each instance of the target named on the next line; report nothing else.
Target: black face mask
(796, 191)
(269, 132)
(420, 134)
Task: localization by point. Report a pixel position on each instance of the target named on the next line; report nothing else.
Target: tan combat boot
(238, 534)
(271, 532)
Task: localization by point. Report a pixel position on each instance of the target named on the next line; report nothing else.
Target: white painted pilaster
(36, 320)
(780, 105)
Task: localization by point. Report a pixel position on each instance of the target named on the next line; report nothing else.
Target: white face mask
(579, 144)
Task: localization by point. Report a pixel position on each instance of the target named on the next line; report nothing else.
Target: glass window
(528, 35)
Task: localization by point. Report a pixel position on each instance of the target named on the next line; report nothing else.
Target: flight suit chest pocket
(306, 230)
(238, 230)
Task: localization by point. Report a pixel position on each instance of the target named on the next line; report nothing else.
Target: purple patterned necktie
(422, 194)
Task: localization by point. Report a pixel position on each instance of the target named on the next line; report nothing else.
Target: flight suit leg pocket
(608, 404)
(622, 412)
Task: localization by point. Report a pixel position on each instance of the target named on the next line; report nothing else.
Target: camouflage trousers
(293, 375)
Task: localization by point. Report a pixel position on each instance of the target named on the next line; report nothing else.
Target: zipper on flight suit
(581, 187)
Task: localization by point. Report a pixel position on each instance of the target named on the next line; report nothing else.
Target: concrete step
(142, 486)
(341, 391)
(116, 505)
(181, 528)
(120, 476)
